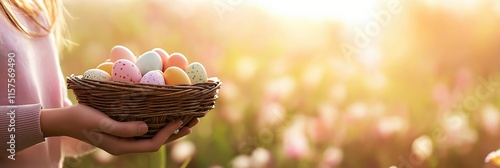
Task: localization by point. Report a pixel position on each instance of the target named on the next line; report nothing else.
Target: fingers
(117, 146)
(90, 119)
(193, 122)
(182, 132)
(116, 137)
(167, 131)
(123, 129)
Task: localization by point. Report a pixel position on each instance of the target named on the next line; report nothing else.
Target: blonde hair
(53, 10)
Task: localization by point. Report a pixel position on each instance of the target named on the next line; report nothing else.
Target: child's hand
(92, 126)
(183, 131)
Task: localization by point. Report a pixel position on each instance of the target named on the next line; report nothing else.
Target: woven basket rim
(125, 84)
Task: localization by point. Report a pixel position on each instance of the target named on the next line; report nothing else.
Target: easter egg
(196, 73)
(153, 77)
(125, 71)
(176, 76)
(149, 61)
(106, 66)
(96, 74)
(164, 57)
(178, 60)
(121, 52)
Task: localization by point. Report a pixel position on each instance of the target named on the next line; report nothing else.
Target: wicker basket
(154, 104)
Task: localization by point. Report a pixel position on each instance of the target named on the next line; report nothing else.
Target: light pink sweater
(38, 83)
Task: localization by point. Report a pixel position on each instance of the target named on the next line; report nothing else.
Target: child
(38, 124)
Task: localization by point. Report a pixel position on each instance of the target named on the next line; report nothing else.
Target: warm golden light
(350, 11)
(319, 83)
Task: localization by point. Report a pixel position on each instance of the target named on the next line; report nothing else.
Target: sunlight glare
(343, 10)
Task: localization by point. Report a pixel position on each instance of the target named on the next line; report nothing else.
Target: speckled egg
(196, 73)
(125, 71)
(153, 77)
(178, 60)
(121, 52)
(175, 76)
(164, 57)
(106, 66)
(96, 74)
(149, 61)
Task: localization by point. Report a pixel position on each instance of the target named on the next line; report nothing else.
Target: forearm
(53, 122)
(56, 122)
(71, 146)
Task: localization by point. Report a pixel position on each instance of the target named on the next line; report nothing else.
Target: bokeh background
(340, 83)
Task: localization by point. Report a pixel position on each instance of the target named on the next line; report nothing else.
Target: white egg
(149, 61)
(97, 74)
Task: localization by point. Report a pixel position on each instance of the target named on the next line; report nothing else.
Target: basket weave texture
(156, 105)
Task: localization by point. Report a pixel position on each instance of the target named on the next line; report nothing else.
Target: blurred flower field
(341, 84)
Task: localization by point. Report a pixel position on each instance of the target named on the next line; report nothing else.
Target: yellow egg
(106, 66)
(175, 76)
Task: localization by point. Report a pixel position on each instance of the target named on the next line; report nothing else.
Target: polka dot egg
(125, 71)
(153, 77)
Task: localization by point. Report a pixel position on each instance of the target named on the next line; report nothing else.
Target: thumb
(123, 129)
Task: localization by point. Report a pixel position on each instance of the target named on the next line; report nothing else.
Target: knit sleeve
(19, 128)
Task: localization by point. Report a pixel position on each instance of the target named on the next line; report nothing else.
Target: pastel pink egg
(125, 71)
(153, 77)
(121, 52)
(164, 57)
(177, 60)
